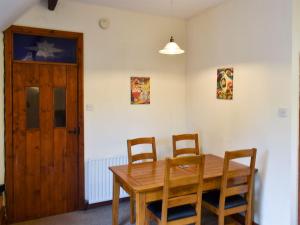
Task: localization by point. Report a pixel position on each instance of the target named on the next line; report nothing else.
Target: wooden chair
(233, 197)
(185, 137)
(138, 157)
(141, 156)
(179, 208)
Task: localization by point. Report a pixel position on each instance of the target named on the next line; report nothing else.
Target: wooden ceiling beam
(52, 4)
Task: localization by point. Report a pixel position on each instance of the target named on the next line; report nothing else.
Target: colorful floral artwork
(140, 90)
(225, 84)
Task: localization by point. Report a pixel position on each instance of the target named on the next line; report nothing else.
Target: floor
(102, 216)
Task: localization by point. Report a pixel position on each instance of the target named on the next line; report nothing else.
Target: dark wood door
(45, 139)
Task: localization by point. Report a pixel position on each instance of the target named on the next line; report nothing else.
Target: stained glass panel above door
(44, 49)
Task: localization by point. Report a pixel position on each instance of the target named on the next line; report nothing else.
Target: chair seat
(213, 198)
(175, 213)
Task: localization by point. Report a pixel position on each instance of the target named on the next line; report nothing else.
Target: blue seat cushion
(213, 198)
(175, 213)
(2, 188)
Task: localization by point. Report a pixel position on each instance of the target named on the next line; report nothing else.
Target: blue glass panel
(45, 49)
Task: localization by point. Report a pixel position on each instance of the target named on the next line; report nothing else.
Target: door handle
(74, 131)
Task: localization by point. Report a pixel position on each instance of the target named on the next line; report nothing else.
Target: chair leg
(147, 219)
(248, 217)
(132, 216)
(221, 219)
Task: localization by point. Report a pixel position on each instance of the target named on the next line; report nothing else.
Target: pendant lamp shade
(171, 48)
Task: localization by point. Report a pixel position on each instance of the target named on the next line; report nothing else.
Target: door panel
(59, 199)
(45, 152)
(33, 173)
(47, 158)
(71, 154)
(21, 194)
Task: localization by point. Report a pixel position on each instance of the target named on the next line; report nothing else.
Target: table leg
(140, 208)
(116, 198)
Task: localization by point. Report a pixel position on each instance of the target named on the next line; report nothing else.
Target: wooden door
(45, 139)
(44, 125)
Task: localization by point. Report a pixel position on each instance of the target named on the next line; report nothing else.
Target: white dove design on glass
(45, 50)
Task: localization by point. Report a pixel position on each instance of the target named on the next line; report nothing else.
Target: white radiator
(99, 184)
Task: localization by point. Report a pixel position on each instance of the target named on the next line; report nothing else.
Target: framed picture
(140, 90)
(225, 83)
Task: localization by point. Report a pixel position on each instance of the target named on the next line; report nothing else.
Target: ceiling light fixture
(171, 48)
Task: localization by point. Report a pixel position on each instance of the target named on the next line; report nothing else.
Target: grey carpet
(100, 216)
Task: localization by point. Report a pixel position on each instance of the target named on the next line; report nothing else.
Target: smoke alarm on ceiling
(104, 23)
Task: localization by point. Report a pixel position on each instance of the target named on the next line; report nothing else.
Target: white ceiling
(181, 8)
(10, 10)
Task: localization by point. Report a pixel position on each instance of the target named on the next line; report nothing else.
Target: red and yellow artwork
(140, 90)
(225, 84)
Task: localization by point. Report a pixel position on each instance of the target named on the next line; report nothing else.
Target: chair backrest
(176, 176)
(185, 137)
(141, 156)
(244, 176)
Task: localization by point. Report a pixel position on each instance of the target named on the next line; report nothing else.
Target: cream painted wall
(254, 37)
(295, 108)
(128, 48)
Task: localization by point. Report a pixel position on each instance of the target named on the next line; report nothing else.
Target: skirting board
(95, 205)
(239, 218)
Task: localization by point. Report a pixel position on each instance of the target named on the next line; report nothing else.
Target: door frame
(8, 111)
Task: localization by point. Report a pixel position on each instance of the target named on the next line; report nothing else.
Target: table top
(150, 175)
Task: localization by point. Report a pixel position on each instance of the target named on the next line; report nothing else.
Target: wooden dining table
(145, 182)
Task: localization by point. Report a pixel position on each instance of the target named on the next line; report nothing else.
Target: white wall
(254, 37)
(295, 108)
(128, 48)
